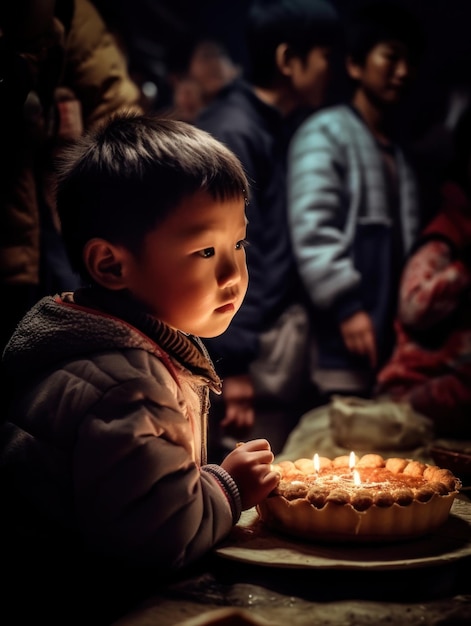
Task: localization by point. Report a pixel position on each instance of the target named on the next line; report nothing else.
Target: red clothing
(431, 364)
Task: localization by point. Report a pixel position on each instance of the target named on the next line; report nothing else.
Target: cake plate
(252, 542)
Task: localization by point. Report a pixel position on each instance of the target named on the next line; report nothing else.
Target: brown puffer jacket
(105, 446)
(81, 54)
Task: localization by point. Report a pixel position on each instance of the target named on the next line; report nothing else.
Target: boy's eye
(206, 253)
(243, 243)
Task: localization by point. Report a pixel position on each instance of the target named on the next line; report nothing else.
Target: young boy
(353, 202)
(106, 439)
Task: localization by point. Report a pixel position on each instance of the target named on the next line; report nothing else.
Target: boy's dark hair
(379, 21)
(302, 24)
(119, 181)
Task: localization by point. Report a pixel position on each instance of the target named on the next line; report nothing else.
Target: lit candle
(356, 477)
(316, 462)
(351, 462)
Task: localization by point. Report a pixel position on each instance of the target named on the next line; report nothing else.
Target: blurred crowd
(351, 124)
(192, 62)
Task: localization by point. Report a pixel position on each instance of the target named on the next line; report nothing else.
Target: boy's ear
(105, 263)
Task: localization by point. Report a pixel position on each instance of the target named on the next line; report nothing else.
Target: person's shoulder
(329, 117)
(232, 98)
(233, 111)
(330, 123)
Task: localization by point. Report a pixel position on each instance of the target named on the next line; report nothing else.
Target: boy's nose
(229, 272)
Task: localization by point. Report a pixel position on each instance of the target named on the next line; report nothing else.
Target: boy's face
(386, 73)
(310, 76)
(191, 272)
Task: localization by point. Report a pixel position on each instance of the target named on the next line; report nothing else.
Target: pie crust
(375, 500)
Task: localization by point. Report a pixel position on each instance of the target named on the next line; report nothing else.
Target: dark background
(156, 34)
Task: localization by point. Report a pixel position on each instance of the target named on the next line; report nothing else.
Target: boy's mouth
(225, 308)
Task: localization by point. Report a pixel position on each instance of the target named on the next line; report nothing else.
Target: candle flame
(316, 462)
(352, 461)
(356, 477)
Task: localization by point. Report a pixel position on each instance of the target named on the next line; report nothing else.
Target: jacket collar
(187, 350)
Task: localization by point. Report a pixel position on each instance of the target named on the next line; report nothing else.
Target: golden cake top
(363, 481)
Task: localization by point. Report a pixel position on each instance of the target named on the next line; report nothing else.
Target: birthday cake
(359, 499)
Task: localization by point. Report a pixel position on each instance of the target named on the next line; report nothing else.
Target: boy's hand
(250, 466)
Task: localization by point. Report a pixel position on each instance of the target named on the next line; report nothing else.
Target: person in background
(61, 72)
(103, 456)
(211, 65)
(261, 358)
(158, 35)
(187, 99)
(430, 367)
(354, 207)
(206, 71)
